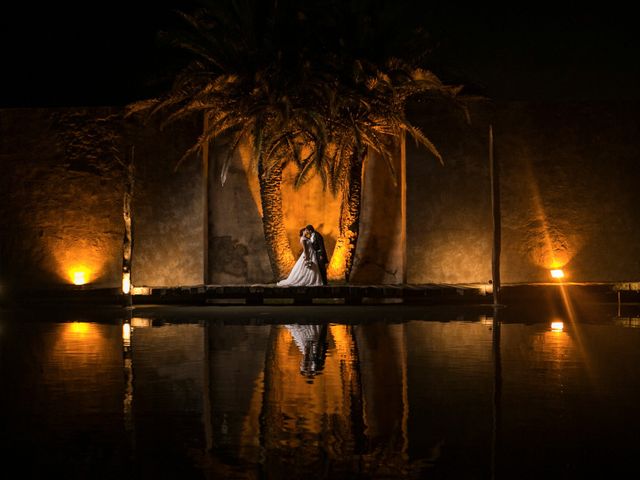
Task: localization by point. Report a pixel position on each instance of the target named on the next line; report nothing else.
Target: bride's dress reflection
(312, 342)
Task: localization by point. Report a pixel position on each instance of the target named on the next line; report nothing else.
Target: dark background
(107, 53)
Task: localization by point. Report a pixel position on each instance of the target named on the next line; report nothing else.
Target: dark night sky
(105, 53)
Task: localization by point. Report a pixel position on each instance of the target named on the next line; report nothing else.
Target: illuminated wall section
(237, 252)
(381, 246)
(570, 176)
(568, 183)
(61, 198)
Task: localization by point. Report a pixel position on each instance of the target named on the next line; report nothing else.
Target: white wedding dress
(301, 275)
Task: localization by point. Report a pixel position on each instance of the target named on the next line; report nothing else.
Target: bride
(305, 272)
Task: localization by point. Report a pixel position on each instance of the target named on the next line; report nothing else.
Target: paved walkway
(269, 294)
(347, 294)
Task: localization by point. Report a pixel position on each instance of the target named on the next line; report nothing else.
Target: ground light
(126, 334)
(557, 326)
(557, 273)
(126, 283)
(79, 277)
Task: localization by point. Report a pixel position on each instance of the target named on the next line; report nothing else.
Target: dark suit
(317, 242)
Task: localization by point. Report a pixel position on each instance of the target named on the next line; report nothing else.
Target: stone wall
(168, 206)
(449, 205)
(569, 175)
(61, 197)
(62, 181)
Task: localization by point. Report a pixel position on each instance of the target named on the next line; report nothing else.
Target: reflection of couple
(312, 342)
(311, 267)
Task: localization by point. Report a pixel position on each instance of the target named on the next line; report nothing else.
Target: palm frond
(235, 142)
(421, 139)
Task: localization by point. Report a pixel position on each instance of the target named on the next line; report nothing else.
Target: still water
(320, 392)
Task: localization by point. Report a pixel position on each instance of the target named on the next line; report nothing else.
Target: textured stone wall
(380, 250)
(61, 198)
(569, 175)
(168, 206)
(449, 206)
(237, 252)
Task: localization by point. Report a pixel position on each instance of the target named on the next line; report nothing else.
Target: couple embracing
(311, 267)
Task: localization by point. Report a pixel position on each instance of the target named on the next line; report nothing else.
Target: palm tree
(366, 115)
(319, 84)
(252, 84)
(373, 71)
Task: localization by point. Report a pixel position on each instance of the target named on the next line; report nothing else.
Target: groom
(317, 242)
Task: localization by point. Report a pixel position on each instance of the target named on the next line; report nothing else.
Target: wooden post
(207, 408)
(497, 392)
(403, 206)
(619, 309)
(494, 172)
(127, 357)
(127, 250)
(205, 206)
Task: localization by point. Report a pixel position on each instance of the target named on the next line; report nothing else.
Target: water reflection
(312, 343)
(482, 398)
(307, 418)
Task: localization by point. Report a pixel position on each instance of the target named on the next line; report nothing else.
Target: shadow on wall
(237, 249)
(168, 206)
(237, 252)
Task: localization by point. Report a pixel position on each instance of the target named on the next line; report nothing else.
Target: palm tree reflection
(312, 409)
(307, 409)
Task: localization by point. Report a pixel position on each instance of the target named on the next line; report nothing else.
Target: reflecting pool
(321, 392)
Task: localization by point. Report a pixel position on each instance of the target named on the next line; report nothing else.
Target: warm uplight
(335, 270)
(79, 277)
(79, 328)
(140, 290)
(632, 322)
(138, 322)
(557, 326)
(126, 283)
(557, 273)
(126, 334)
(486, 320)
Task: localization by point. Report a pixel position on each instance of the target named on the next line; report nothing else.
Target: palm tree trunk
(278, 247)
(349, 228)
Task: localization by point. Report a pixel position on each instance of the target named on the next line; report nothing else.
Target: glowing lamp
(557, 273)
(79, 277)
(126, 283)
(138, 322)
(485, 320)
(140, 291)
(79, 328)
(557, 326)
(126, 334)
